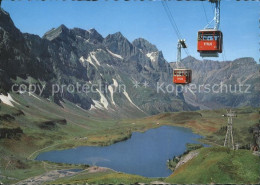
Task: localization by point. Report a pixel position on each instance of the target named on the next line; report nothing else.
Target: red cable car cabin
(182, 76)
(210, 42)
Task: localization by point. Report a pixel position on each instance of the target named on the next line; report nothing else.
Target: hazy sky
(134, 19)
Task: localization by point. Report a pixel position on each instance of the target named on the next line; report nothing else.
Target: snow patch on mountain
(115, 83)
(33, 95)
(129, 99)
(83, 60)
(111, 90)
(92, 54)
(115, 55)
(98, 105)
(8, 100)
(103, 99)
(80, 107)
(152, 56)
(92, 107)
(85, 40)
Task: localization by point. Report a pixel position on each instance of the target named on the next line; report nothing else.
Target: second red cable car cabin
(209, 42)
(182, 76)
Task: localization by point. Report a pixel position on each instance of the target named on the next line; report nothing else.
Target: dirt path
(48, 176)
(186, 158)
(37, 151)
(56, 174)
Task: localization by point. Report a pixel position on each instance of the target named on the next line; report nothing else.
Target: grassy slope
(207, 123)
(219, 165)
(85, 128)
(107, 177)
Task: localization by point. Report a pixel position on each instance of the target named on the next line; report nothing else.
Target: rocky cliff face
(70, 57)
(16, 59)
(239, 78)
(75, 56)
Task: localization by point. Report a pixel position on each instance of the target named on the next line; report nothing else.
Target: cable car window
(205, 37)
(208, 37)
(200, 36)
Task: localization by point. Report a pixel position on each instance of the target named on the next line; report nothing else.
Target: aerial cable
(173, 23)
(171, 19)
(179, 35)
(205, 12)
(212, 8)
(178, 32)
(224, 52)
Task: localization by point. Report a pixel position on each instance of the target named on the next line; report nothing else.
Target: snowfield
(115, 55)
(111, 90)
(129, 99)
(152, 56)
(98, 105)
(115, 83)
(92, 54)
(8, 100)
(83, 60)
(103, 99)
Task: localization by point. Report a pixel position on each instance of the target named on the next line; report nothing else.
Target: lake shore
(205, 123)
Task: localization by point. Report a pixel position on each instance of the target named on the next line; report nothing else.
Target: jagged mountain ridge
(68, 56)
(242, 71)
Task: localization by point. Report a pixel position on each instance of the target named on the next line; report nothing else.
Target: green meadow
(71, 126)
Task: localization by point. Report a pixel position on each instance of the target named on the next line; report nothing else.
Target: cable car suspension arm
(216, 18)
(181, 44)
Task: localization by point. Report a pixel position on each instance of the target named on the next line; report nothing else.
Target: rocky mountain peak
(62, 30)
(4, 15)
(189, 59)
(245, 61)
(118, 44)
(95, 36)
(81, 32)
(68, 56)
(6, 22)
(63, 27)
(118, 35)
(144, 45)
(93, 30)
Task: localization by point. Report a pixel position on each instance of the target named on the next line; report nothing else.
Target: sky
(148, 20)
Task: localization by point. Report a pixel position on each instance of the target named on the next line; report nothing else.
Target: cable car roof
(182, 69)
(209, 30)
